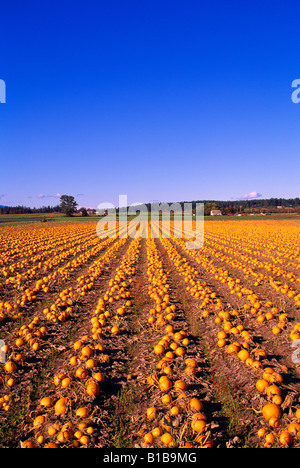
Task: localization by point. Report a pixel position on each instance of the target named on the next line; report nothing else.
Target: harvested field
(134, 342)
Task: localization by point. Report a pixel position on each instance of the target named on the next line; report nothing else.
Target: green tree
(84, 212)
(68, 204)
(210, 206)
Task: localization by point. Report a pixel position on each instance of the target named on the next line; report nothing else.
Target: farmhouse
(215, 213)
(91, 212)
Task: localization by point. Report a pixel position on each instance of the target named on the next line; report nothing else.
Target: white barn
(215, 213)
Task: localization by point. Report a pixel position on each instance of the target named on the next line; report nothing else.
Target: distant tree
(210, 206)
(68, 204)
(207, 208)
(84, 212)
(230, 210)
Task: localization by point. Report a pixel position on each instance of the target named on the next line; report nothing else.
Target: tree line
(20, 209)
(251, 203)
(68, 205)
(240, 206)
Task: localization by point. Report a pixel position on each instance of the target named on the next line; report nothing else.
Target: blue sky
(159, 100)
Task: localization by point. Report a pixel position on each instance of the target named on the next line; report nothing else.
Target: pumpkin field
(140, 342)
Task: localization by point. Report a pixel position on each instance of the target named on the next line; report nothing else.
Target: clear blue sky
(159, 100)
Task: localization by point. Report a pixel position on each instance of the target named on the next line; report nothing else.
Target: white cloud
(41, 195)
(250, 195)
